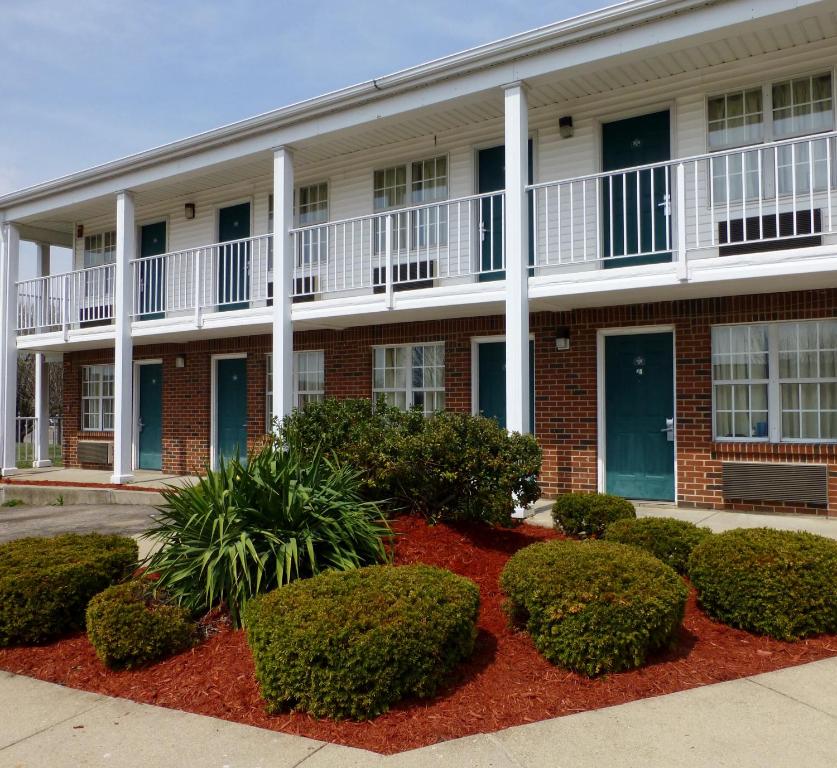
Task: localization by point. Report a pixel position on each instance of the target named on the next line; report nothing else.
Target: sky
(89, 81)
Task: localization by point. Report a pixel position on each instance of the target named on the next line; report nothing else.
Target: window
(309, 377)
(418, 183)
(775, 381)
(99, 249)
(309, 381)
(97, 398)
(312, 209)
(740, 380)
(736, 119)
(410, 376)
(798, 107)
(808, 380)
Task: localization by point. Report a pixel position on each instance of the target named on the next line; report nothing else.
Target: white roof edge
(594, 23)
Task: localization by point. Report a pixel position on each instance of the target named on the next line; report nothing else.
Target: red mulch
(505, 683)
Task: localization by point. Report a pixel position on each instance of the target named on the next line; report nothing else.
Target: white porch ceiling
(621, 71)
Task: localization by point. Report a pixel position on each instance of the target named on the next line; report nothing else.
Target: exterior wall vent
(95, 452)
(773, 481)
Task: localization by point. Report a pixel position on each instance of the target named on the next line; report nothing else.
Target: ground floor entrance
(149, 421)
(230, 409)
(490, 370)
(638, 425)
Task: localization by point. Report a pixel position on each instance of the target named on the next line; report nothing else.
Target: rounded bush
(588, 514)
(128, 625)
(777, 583)
(46, 583)
(595, 606)
(350, 644)
(672, 541)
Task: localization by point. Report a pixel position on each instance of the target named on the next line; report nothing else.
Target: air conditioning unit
(408, 277)
(757, 234)
(775, 481)
(98, 452)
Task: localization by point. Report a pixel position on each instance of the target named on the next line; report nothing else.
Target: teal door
(234, 257)
(491, 381)
(150, 423)
(491, 173)
(636, 205)
(152, 273)
(231, 408)
(639, 406)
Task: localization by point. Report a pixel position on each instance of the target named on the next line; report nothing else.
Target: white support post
(9, 262)
(283, 276)
(680, 222)
(42, 383)
(517, 260)
(123, 353)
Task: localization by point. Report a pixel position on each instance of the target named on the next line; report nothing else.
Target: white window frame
(774, 388)
(405, 237)
(310, 393)
(409, 389)
(766, 175)
(100, 398)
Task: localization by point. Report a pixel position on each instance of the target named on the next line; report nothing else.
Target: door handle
(140, 425)
(669, 430)
(665, 205)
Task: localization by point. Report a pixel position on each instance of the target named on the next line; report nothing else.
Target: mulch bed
(505, 682)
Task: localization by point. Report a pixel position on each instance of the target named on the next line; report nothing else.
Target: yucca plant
(251, 527)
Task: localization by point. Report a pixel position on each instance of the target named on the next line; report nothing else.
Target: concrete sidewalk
(776, 720)
(714, 519)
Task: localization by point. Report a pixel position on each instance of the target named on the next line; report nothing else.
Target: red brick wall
(565, 397)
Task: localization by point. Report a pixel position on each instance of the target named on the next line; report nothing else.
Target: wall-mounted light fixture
(562, 337)
(180, 361)
(565, 127)
(189, 210)
(79, 231)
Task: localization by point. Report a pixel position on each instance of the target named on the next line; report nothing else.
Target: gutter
(560, 34)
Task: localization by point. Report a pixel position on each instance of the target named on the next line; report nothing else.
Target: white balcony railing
(217, 277)
(70, 300)
(408, 248)
(758, 198)
(26, 438)
(767, 197)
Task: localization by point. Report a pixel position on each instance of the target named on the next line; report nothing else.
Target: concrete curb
(783, 719)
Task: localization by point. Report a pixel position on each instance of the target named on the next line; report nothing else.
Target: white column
(9, 261)
(283, 274)
(123, 355)
(42, 382)
(517, 259)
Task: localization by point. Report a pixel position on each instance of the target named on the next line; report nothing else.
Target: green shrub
(672, 541)
(129, 626)
(446, 466)
(594, 606)
(777, 583)
(46, 583)
(245, 529)
(588, 514)
(351, 644)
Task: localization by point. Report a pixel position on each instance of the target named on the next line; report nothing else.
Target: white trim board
(601, 441)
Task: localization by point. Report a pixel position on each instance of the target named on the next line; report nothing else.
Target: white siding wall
(350, 176)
